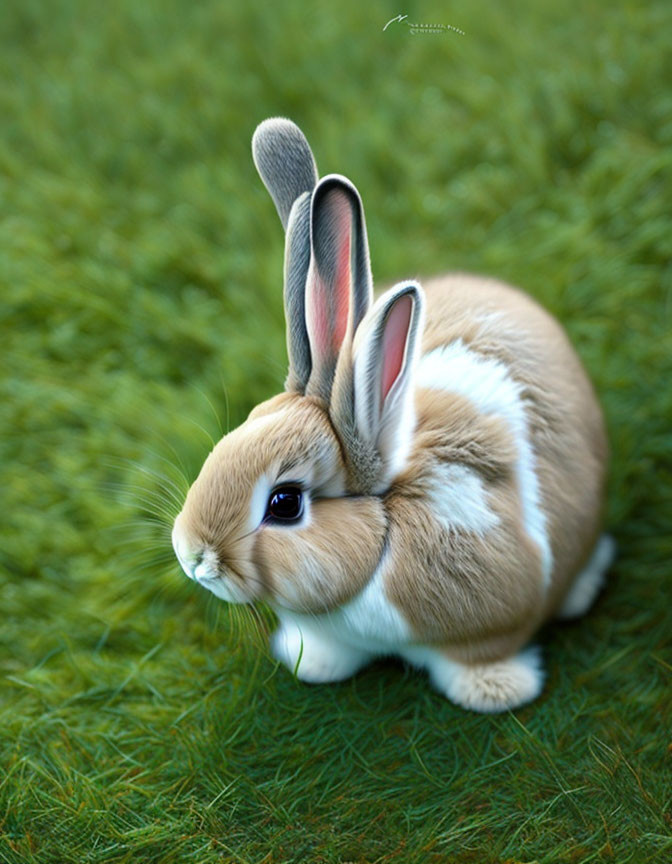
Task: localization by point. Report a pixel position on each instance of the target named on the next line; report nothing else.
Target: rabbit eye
(285, 504)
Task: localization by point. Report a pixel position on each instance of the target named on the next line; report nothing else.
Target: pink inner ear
(328, 302)
(394, 342)
(342, 286)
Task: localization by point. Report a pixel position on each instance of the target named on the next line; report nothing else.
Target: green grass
(140, 280)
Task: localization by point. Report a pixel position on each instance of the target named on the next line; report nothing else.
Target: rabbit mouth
(210, 573)
(223, 587)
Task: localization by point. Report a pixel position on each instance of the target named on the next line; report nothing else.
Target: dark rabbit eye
(285, 504)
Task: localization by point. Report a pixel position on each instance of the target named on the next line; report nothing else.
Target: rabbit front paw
(314, 657)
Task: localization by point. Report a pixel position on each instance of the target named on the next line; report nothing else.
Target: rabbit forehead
(293, 442)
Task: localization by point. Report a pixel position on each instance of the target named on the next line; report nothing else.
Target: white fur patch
(369, 622)
(373, 618)
(181, 551)
(397, 436)
(485, 687)
(459, 499)
(312, 653)
(488, 384)
(258, 502)
(587, 584)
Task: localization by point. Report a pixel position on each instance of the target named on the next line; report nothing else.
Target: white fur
(368, 622)
(309, 651)
(459, 499)
(486, 687)
(258, 502)
(397, 437)
(372, 618)
(181, 550)
(488, 384)
(587, 584)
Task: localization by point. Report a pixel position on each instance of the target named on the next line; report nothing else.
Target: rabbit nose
(206, 565)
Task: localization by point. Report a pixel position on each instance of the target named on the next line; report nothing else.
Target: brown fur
(481, 598)
(323, 565)
(466, 592)
(311, 569)
(436, 512)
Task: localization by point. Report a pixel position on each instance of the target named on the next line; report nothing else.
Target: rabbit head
(288, 506)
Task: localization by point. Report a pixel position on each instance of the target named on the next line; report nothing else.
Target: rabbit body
(447, 451)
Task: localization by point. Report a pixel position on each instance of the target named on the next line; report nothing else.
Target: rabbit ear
(297, 261)
(339, 286)
(287, 167)
(284, 161)
(373, 400)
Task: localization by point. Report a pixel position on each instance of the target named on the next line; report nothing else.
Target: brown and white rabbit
(430, 483)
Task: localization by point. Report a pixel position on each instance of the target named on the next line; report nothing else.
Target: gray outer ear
(287, 167)
(284, 161)
(339, 288)
(297, 261)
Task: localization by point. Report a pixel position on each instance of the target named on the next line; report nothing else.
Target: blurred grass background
(140, 279)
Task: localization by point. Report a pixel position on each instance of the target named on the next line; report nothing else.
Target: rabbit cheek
(323, 565)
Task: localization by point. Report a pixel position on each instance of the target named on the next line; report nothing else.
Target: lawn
(141, 315)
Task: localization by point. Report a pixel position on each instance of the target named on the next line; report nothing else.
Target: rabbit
(430, 483)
